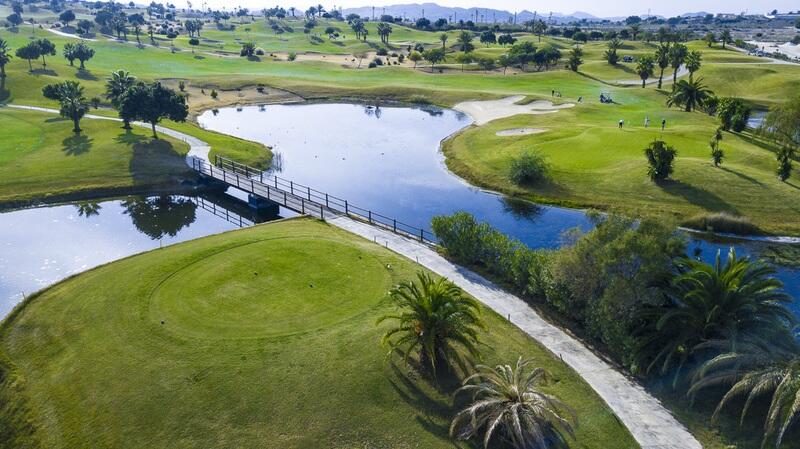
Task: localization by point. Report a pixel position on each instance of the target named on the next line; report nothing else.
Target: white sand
(519, 132)
(483, 112)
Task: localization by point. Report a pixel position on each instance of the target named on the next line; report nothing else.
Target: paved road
(648, 421)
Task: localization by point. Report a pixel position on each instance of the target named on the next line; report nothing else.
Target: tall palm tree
(694, 60)
(644, 68)
(677, 56)
(73, 104)
(662, 59)
(689, 94)
(725, 37)
(435, 318)
(384, 30)
(116, 85)
(758, 371)
(508, 402)
(5, 57)
(443, 37)
(729, 302)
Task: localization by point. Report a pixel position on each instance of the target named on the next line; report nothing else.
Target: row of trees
(41, 48)
(629, 285)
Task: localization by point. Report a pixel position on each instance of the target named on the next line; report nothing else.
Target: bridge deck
(300, 198)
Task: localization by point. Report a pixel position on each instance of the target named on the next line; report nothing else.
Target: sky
(597, 8)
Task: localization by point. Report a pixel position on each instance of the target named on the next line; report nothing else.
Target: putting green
(257, 290)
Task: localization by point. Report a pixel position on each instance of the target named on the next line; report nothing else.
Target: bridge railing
(261, 183)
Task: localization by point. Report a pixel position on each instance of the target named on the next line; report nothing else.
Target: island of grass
(263, 337)
(42, 159)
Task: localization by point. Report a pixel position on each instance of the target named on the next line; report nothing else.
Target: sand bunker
(519, 132)
(485, 111)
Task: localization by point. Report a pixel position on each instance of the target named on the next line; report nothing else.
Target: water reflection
(88, 208)
(160, 216)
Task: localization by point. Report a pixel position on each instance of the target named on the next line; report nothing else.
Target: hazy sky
(595, 7)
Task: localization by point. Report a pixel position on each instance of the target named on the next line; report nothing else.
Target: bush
(292, 56)
(382, 52)
(214, 94)
(722, 222)
(181, 86)
(660, 157)
(377, 61)
(372, 65)
(260, 52)
(529, 168)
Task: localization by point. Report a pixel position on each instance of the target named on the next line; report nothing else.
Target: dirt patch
(199, 96)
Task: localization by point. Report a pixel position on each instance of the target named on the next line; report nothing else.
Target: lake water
(386, 159)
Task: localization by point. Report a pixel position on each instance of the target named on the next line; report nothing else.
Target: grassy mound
(263, 337)
(41, 157)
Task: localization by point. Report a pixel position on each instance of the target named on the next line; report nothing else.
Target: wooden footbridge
(265, 188)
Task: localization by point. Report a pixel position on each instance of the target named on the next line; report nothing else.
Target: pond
(386, 159)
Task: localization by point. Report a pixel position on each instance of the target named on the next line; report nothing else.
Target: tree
(84, 26)
(633, 20)
(611, 53)
(16, 7)
(465, 39)
(69, 52)
(645, 67)
(194, 42)
(443, 38)
(725, 37)
(539, 28)
(635, 30)
(151, 103)
(116, 86)
(716, 152)
(488, 37)
(509, 402)
(677, 56)
(46, 48)
(660, 157)
(83, 53)
(29, 51)
(422, 23)
(137, 21)
(73, 104)
(753, 371)
(694, 60)
(384, 30)
(415, 57)
(506, 39)
(785, 155)
(504, 61)
(66, 17)
(435, 318)
(14, 19)
(575, 59)
(689, 94)
(733, 114)
(710, 39)
(782, 123)
(731, 301)
(5, 57)
(248, 49)
(662, 59)
(463, 59)
(434, 56)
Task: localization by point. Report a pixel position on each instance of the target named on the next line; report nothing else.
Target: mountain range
(432, 11)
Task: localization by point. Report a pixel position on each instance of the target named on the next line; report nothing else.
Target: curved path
(649, 422)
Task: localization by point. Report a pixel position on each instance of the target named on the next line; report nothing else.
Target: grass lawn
(263, 337)
(41, 157)
(595, 164)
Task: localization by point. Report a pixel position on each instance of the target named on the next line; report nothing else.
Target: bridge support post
(260, 203)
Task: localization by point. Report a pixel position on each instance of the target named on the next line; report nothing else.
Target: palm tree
(443, 37)
(720, 302)
(507, 401)
(644, 68)
(662, 59)
(756, 371)
(725, 37)
(116, 85)
(384, 30)
(5, 57)
(73, 104)
(693, 62)
(677, 56)
(434, 317)
(635, 29)
(689, 94)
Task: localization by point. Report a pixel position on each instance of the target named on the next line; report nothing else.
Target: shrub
(260, 51)
(372, 65)
(181, 85)
(382, 52)
(660, 157)
(529, 168)
(401, 58)
(292, 56)
(377, 61)
(722, 222)
(214, 94)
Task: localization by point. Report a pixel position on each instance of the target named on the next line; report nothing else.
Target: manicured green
(263, 337)
(41, 157)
